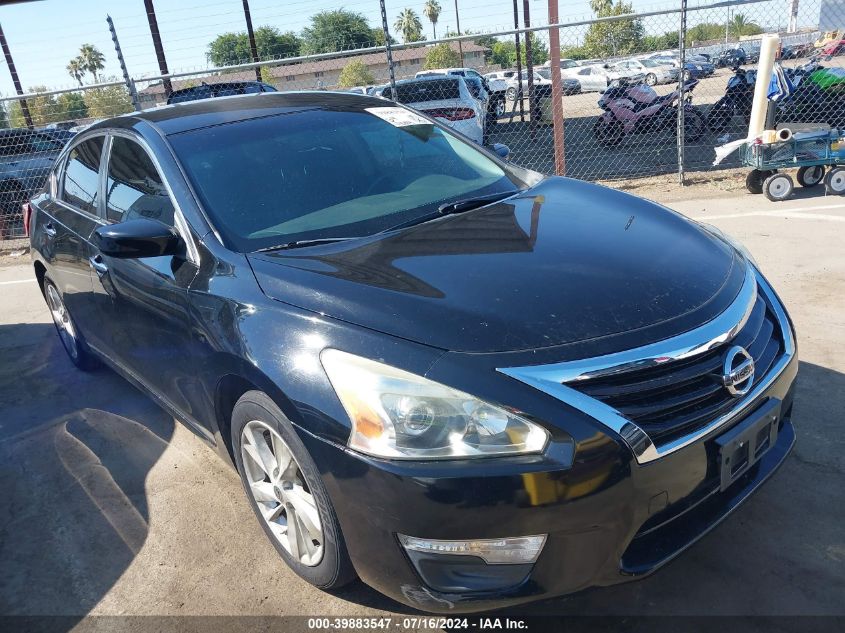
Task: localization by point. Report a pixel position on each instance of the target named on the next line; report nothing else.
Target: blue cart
(812, 152)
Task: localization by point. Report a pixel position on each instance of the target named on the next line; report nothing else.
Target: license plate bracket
(743, 445)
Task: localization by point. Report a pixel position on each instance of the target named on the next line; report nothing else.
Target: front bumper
(608, 519)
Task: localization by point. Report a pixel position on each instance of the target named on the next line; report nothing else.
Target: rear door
(150, 329)
(66, 221)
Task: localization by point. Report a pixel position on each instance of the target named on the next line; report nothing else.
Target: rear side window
(422, 91)
(81, 178)
(134, 188)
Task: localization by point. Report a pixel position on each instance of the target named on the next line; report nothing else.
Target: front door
(150, 328)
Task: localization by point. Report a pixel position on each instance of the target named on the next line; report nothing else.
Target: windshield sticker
(399, 117)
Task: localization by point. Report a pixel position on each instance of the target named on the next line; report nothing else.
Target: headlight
(400, 415)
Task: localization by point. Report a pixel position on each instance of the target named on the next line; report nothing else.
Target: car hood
(562, 262)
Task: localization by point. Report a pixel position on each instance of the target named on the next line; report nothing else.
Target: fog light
(497, 551)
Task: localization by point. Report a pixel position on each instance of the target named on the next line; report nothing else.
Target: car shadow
(74, 456)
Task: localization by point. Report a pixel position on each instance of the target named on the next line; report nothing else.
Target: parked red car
(836, 47)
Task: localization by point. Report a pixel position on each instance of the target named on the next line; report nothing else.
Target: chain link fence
(620, 77)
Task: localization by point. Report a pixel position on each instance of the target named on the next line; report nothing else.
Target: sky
(44, 35)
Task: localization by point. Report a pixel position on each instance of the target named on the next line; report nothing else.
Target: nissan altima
(465, 383)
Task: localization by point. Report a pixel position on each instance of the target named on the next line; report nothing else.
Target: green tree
(503, 53)
(431, 10)
(4, 118)
(610, 39)
(92, 59)
(355, 73)
(740, 25)
(42, 109)
(337, 30)
(575, 52)
(441, 56)
(76, 69)
(71, 106)
(229, 49)
(108, 102)
(409, 25)
(378, 38)
(660, 42)
(705, 32)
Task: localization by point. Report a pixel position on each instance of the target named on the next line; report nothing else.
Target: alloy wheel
(61, 317)
(278, 487)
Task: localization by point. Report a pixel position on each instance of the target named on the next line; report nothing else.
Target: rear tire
(695, 125)
(720, 117)
(810, 176)
(651, 79)
(755, 179)
(834, 181)
(70, 336)
(304, 529)
(510, 94)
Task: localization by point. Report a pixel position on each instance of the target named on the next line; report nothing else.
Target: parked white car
(568, 67)
(596, 77)
(521, 84)
(495, 88)
(654, 72)
(445, 98)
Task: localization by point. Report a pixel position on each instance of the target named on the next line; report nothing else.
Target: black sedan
(465, 383)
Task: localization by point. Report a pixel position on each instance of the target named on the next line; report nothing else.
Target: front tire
(651, 79)
(609, 133)
(510, 94)
(778, 187)
(834, 181)
(287, 494)
(70, 336)
(695, 125)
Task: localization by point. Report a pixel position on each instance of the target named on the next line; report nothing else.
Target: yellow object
(769, 136)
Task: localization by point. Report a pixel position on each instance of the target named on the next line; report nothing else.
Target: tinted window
(421, 91)
(80, 180)
(322, 173)
(134, 188)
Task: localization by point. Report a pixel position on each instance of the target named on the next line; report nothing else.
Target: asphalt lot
(110, 507)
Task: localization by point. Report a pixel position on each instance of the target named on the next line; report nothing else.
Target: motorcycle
(739, 95)
(818, 96)
(631, 108)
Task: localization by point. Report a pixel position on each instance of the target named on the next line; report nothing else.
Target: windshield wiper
(301, 243)
(457, 206)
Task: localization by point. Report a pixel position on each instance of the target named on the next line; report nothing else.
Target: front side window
(80, 182)
(134, 188)
(327, 173)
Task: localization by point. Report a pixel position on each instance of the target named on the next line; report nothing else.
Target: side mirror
(134, 239)
(502, 150)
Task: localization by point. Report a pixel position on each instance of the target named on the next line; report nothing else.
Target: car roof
(191, 115)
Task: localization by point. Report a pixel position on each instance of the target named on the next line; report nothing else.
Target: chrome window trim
(550, 378)
(61, 166)
(179, 222)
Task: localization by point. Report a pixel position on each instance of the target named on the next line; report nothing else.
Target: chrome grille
(678, 397)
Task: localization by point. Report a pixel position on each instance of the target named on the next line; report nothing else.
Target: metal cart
(810, 151)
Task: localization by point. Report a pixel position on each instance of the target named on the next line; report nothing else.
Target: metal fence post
(388, 51)
(682, 58)
(130, 85)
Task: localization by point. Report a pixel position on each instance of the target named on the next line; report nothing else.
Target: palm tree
(76, 69)
(740, 25)
(431, 10)
(92, 59)
(409, 25)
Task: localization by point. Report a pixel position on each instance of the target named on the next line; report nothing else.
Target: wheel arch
(232, 385)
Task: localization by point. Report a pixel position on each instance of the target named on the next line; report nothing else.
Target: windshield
(545, 73)
(324, 174)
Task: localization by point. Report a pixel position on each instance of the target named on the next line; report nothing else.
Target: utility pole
(15, 79)
(557, 91)
(130, 85)
(460, 43)
(529, 65)
(793, 17)
(162, 62)
(682, 57)
(252, 47)
(518, 95)
(388, 51)
(727, 26)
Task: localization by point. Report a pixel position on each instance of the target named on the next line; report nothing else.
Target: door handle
(98, 265)
(49, 230)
